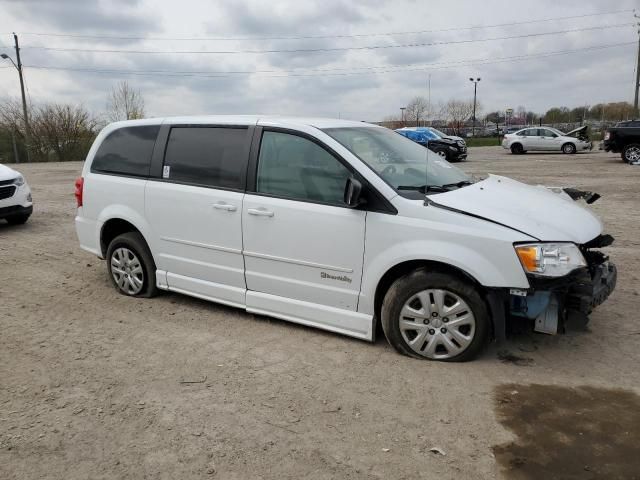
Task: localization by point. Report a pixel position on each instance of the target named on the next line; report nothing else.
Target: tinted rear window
(127, 151)
(210, 156)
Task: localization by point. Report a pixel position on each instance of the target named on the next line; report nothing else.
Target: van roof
(272, 120)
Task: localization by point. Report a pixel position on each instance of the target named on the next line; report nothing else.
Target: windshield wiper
(424, 188)
(447, 187)
(461, 184)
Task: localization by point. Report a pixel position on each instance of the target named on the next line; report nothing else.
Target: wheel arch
(403, 268)
(112, 228)
(493, 298)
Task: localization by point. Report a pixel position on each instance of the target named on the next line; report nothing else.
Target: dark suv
(451, 150)
(624, 138)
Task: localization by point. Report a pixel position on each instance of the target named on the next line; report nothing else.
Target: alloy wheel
(127, 271)
(437, 324)
(632, 154)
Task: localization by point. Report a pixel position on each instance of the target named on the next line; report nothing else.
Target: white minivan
(337, 225)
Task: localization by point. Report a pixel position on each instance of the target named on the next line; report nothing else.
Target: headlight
(550, 259)
(18, 181)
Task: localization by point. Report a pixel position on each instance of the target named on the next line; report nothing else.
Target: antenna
(426, 174)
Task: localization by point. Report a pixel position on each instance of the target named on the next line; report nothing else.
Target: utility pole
(16, 158)
(475, 90)
(429, 98)
(637, 85)
(402, 109)
(27, 129)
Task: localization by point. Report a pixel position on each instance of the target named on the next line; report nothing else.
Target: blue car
(447, 148)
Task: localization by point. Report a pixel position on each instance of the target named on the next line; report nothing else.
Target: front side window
(297, 168)
(406, 166)
(127, 151)
(208, 156)
(549, 133)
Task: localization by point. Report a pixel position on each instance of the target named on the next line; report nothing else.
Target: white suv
(336, 225)
(16, 204)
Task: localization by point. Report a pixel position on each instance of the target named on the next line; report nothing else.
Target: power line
(373, 70)
(306, 37)
(331, 49)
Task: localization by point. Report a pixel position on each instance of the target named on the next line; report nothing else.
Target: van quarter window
(127, 151)
(294, 167)
(210, 156)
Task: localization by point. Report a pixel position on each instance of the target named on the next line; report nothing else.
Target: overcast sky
(345, 79)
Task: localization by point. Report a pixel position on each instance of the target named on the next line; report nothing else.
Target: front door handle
(261, 212)
(225, 206)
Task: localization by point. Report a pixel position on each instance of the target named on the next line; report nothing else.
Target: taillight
(79, 189)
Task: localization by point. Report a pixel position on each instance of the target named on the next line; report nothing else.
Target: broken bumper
(592, 289)
(551, 302)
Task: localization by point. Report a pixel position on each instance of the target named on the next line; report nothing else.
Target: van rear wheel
(435, 316)
(131, 266)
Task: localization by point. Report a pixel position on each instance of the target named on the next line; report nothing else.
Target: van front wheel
(435, 316)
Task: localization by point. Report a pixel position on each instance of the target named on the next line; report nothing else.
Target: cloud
(294, 82)
(85, 16)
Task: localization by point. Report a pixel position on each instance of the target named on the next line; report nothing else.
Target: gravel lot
(97, 385)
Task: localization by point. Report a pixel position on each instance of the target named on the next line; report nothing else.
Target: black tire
(630, 152)
(568, 148)
(408, 286)
(18, 219)
(441, 152)
(517, 149)
(136, 243)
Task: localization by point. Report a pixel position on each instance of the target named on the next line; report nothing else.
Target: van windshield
(411, 169)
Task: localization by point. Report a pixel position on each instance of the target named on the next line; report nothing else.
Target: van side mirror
(352, 193)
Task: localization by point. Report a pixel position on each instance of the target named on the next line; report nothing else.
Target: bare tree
(457, 112)
(11, 116)
(12, 128)
(124, 103)
(62, 131)
(416, 110)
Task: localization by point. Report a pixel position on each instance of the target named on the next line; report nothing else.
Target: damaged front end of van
(568, 273)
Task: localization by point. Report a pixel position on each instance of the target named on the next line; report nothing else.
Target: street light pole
(475, 91)
(637, 85)
(25, 114)
(402, 109)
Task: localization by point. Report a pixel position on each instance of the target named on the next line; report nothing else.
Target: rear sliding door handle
(225, 206)
(260, 212)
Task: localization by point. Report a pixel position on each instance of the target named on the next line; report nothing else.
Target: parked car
(452, 150)
(547, 139)
(440, 134)
(16, 204)
(337, 225)
(624, 138)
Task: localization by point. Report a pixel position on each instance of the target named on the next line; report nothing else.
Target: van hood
(7, 173)
(535, 211)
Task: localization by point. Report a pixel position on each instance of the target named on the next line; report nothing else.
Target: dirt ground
(97, 385)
